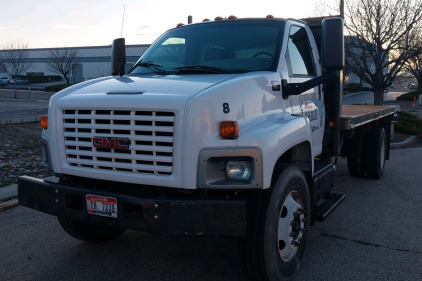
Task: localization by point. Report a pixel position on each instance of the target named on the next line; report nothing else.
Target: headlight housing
(230, 168)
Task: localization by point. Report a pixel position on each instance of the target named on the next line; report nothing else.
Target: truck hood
(179, 87)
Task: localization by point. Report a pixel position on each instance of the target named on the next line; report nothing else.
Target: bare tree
(62, 60)
(380, 36)
(15, 57)
(323, 8)
(414, 65)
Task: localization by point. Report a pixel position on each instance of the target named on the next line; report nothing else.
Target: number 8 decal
(226, 108)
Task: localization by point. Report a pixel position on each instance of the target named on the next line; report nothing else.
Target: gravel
(20, 153)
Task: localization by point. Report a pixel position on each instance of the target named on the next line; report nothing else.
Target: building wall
(94, 61)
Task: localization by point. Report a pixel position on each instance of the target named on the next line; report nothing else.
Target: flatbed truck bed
(356, 115)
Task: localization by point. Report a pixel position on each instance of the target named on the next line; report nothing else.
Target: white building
(93, 62)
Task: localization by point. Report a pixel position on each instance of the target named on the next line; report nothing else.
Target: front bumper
(163, 215)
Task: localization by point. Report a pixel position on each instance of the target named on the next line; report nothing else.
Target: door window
(299, 54)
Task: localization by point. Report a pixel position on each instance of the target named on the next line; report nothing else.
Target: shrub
(41, 79)
(410, 96)
(355, 87)
(56, 88)
(408, 123)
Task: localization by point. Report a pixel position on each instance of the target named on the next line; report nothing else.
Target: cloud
(144, 30)
(143, 27)
(12, 27)
(75, 27)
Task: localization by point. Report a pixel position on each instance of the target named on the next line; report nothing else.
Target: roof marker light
(218, 18)
(206, 19)
(179, 25)
(232, 17)
(269, 17)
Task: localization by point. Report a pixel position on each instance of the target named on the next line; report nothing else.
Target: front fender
(274, 135)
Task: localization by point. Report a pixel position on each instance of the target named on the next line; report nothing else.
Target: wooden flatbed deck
(355, 115)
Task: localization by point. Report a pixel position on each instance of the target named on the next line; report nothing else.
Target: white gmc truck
(230, 128)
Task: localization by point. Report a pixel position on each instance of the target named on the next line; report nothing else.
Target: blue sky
(48, 23)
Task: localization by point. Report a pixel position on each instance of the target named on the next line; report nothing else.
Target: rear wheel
(355, 156)
(376, 150)
(278, 236)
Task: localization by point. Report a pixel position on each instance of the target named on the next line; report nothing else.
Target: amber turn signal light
(229, 129)
(44, 121)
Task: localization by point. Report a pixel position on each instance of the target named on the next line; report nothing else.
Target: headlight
(238, 170)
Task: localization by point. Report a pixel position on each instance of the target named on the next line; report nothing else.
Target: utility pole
(342, 9)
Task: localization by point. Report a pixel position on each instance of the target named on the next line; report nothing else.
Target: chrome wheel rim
(382, 156)
(291, 226)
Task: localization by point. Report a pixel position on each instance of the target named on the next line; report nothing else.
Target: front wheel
(276, 243)
(89, 232)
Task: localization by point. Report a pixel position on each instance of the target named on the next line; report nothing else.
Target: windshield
(217, 47)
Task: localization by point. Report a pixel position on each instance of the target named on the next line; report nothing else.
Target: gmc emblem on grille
(108, 142)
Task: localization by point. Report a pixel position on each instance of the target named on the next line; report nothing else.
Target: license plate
(101, 205)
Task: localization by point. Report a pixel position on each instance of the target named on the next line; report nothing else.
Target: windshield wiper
(156, 68)
(199, 69)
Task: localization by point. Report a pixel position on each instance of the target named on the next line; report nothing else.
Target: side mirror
(118, 57)
(332, 44)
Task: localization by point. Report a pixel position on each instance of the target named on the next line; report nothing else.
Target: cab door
(302, 64)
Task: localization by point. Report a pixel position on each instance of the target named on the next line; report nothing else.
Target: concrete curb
(20, 120)
(8, 192)
(403, 144)
(1, 99)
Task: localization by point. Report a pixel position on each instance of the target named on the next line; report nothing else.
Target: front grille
(150, 134)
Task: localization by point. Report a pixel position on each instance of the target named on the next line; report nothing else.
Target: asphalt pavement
(375, 234)
(23, 106)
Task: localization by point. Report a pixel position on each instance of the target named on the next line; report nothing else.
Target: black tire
(89, 232)
(355, 156)
(376, 151)
(270, 253)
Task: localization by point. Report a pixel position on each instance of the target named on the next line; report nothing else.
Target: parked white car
(4, 79)
(19, 81)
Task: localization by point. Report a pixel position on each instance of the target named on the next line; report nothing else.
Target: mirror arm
(294, 89)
